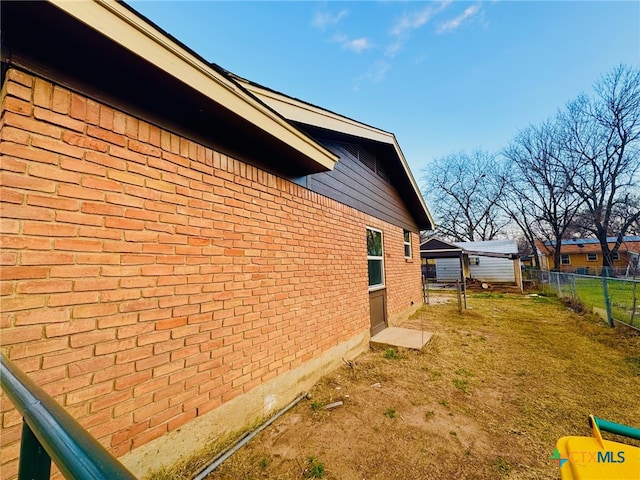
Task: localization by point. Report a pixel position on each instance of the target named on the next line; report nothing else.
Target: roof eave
(126, 28)
(302, 112)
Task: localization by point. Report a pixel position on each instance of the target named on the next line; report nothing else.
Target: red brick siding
(146, 279)
(402, 276)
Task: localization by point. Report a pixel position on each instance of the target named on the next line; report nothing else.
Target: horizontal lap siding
(147, 279)
(354, 184)
(448, 269)
(491, 269)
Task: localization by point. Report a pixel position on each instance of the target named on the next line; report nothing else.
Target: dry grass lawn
(487, 398)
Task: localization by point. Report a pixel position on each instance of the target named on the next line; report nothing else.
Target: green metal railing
(617, 428)
(49, 433)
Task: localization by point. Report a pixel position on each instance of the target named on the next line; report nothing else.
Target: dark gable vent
(352, 149)
(382, 173)
(368, 159)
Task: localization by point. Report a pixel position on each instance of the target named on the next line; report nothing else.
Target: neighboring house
(183, 251)
(584, 255)
(493, 261)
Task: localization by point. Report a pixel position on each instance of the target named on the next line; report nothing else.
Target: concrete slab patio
(401, 337)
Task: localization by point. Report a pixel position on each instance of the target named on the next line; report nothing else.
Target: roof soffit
(123, 26)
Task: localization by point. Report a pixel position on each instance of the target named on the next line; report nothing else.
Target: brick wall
(146, 279)
(402, 276)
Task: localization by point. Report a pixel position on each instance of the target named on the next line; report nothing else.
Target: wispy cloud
(394, 47)
(378, 71)
(408, 22)
(328, 21)
(415, 20)
(375, 74)
(322, 20)
(455, 23)
(357, 45)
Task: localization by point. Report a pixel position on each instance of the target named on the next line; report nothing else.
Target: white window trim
(592, 259)
(373, 288)
(568, 262)
(410, 256)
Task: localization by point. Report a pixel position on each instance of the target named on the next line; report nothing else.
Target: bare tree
(601, 135)
(516, 205)
(539, 196)
(463, 191)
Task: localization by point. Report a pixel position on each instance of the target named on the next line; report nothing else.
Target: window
(615, 256)
(407, 244)
(564, 259)
(592, 257)
(375, 258)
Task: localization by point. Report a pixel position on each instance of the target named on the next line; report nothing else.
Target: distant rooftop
(586, 241)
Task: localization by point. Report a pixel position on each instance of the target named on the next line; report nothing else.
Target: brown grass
(488, 397)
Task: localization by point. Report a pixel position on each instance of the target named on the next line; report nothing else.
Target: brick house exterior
(152, 280)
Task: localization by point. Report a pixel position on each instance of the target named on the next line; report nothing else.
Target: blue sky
(443, 76)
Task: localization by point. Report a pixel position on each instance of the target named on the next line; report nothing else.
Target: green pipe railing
(49, 434)
(617, 428)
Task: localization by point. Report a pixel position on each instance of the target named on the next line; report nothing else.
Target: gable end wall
(147, 280)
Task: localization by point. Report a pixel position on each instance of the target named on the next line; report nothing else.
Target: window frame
(615, 256)
(407, 244)
(594, 257)
(379, 258)
(563, 257)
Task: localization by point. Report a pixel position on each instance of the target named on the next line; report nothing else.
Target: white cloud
(378, 71)
(415, 20)
(357, 45)
(375, 74)
(394, 47)
(456, 22)
(323, 20)
(402, 28)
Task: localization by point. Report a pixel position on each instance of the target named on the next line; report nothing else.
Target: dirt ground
(486, 398)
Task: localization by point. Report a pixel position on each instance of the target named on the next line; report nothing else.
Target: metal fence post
(35, 463)
(425, 289)
(464, 292)
(633, 305)
(607, 300)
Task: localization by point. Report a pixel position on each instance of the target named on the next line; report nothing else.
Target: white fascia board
(122, 26)
(441, 250)
(414, 185)
(298, 111)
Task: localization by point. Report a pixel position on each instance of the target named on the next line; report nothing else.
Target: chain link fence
(615, 299)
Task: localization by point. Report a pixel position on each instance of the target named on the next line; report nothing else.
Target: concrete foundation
(400, 317)
(239, 412)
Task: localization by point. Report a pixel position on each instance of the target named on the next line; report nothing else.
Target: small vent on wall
(352, 149)
(367, 159)
(382, 172)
